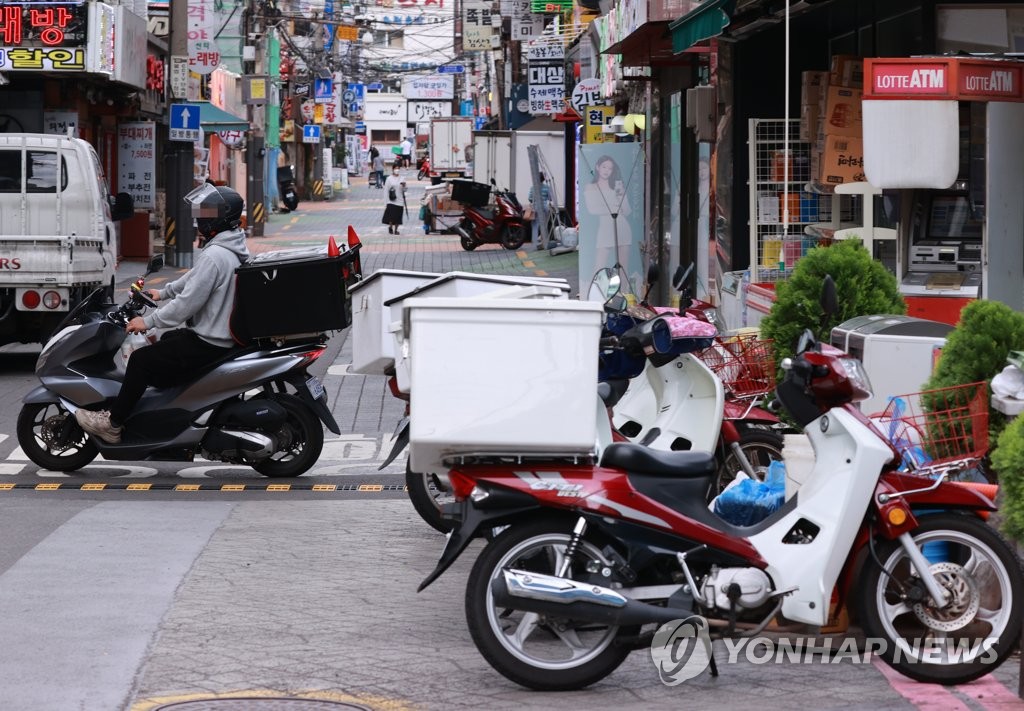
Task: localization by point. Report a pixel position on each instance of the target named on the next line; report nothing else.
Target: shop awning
(705, 21)
(214, 119)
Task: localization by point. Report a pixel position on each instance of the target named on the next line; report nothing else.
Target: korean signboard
(60, 121)
(594, 120)
(426, 110)
(432, 87)
(547, 87)
(385, 111)
(476, 26)
(203, 52)
(136, 161)
(102, 29)
(47, 36)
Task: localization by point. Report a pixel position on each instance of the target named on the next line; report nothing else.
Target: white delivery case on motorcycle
(501, 376)
(373, 345)
(465, 284)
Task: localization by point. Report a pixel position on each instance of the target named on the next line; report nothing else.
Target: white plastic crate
(373, 346)
(465, 284)
(501, 376)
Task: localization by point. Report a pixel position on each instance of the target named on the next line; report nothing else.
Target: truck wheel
(50, 437)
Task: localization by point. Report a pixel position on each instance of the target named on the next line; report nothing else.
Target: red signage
(24, 25)
(954, 78)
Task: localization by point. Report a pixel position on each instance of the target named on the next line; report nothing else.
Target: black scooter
(286, 187)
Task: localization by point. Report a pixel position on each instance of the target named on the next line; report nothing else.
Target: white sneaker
(98, 423)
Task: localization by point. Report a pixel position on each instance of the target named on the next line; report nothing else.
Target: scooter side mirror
(681, 276)
(604, 286)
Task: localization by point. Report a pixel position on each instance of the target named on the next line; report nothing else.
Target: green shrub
(1008, 460)
(976, 350)
(863, 286)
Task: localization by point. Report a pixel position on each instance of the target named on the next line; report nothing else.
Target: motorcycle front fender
(41, 395)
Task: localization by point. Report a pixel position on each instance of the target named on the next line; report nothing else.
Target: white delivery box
(465, 284)
(373, 345)
(501, 377)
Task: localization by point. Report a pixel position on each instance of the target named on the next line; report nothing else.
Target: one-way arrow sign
(311, 133)
(184, 123)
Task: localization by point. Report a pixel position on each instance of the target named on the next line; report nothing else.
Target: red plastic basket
(745, 364)
(938, 430)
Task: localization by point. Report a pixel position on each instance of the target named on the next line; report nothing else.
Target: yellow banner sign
(595, 118)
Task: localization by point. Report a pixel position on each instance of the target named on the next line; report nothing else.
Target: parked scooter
(502, 224)
(236, 411)
(681, 404)
(424, 168)
(591, 554)
(286, 187)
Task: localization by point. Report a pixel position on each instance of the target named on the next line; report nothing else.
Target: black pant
(169, 361)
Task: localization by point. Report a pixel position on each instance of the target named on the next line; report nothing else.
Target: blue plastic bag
(751, 501)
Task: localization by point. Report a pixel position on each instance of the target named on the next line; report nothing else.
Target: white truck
(449, 139)
(57, 237)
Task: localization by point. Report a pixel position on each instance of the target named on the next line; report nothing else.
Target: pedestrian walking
(395, 191)
(406, 152)
(378, 171)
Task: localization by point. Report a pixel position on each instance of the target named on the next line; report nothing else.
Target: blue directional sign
(375, 86)
(348, 96)
(451, 69)
(359, 89)
(323, 90)
(311, 133)
(184, 123)
(360, 127)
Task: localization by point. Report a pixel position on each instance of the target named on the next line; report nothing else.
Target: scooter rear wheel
(302, 438)
(760, 446)
(50, 437)
(466, 239)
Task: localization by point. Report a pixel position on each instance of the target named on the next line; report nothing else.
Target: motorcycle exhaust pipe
(560, 597)
(462, 232)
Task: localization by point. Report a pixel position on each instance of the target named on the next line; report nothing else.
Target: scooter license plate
(315, 387)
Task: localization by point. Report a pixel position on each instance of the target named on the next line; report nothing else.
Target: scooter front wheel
(50, 437)
(977, 628)
(513, 236)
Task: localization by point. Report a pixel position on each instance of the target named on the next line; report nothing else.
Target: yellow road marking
(294, 220)
(279, 487)
(541, 272)
(371, 487)
(47, 487)
(528, 263)
(233, 487)
(6, 486)
(186, 487)
(325, 487)
(94, 487)
(140, 487)
(380, 703)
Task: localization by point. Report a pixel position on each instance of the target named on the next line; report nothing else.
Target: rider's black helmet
(216, 208)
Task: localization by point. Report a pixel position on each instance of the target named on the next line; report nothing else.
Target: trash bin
(898, 352)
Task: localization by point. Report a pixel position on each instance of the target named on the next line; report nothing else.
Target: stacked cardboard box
(838, 152)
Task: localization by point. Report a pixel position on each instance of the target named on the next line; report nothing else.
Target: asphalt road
(130, 587)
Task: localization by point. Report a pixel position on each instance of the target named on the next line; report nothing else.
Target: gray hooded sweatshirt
(206, 293)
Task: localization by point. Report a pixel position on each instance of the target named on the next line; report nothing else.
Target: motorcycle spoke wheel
(536, 650)
(760, 446)
(980, 624)
(301, 440)
(50, 437)
(427, 496)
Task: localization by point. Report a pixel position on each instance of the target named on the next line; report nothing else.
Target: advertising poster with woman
(611, 214)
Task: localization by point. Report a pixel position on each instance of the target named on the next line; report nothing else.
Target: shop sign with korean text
(59, 122)
(431, 87)
(476, 26)
(594, 120)
(43, 36)
(102, 30)
(136, 162)
(546, 92)
(426, 110)
(203, 51)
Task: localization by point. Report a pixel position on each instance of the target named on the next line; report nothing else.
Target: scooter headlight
(857, 377)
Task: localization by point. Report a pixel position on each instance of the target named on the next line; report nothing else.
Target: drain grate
(260, 704)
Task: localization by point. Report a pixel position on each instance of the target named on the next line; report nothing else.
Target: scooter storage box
(464, 284)
(472, 393)
(292, 294)
(373, 345)
(471, 193)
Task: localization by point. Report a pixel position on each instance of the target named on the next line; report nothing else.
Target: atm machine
(944, 133)
(942, 271)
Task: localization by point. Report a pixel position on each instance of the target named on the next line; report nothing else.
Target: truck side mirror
(122, 206)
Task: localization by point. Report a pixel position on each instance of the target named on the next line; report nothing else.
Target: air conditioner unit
(701, 105)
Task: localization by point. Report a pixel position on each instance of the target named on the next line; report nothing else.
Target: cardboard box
(847, 70)
(842, 160)
(843, 115)
(809, 117)
(812, 86)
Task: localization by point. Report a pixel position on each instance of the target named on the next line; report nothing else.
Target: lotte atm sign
(944, 78)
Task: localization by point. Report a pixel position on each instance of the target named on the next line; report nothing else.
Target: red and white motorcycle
(591, 555)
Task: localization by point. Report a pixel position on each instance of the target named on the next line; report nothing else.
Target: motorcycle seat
(638, 459)
(485, 212)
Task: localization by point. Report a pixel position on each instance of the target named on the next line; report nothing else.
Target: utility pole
(254, 145)
(179, 160)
